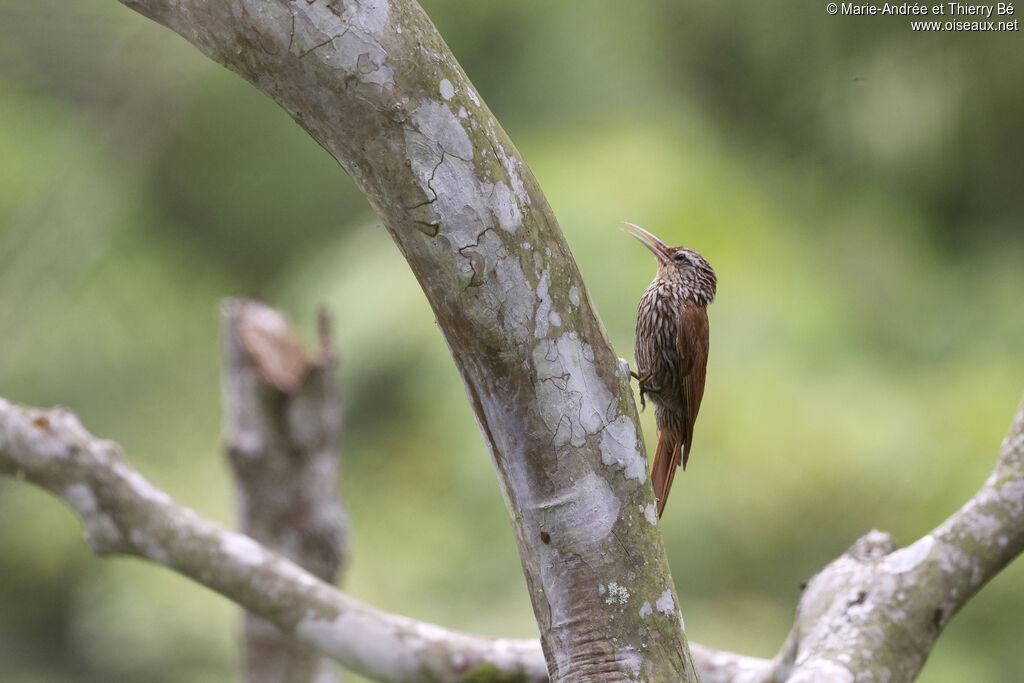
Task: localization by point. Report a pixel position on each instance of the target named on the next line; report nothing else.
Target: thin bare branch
(125, 514)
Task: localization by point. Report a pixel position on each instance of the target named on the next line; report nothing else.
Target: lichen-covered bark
(281, 432)
(374, 83)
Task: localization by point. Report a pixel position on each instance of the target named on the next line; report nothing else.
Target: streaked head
(681, 265)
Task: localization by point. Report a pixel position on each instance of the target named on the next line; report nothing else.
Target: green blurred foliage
(856, 185)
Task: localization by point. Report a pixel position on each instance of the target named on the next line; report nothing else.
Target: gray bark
(281, 432)
(375, 85)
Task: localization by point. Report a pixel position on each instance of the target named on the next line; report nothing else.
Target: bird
(672, 338)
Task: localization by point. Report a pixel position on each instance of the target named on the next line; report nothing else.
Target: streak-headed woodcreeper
(672, 351)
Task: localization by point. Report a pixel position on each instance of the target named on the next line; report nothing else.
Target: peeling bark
(376, 86)
(281, 432)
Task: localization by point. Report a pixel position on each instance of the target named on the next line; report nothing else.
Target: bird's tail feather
(666, 459)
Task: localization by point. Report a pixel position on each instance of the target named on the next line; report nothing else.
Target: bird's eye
(681, 258)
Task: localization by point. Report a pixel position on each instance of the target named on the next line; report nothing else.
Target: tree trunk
(374, 83)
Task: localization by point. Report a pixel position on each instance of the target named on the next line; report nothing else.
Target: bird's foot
(642, 380)
(646, 388)
(641, 377)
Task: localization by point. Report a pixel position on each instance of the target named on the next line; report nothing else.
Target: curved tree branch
(375, 85)
(125, 514)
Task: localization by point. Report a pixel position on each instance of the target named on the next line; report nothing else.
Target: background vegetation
(856, 185)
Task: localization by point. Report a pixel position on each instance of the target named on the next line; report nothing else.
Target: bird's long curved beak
(647, 239)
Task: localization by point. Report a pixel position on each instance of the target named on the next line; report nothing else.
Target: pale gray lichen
(436, 122)
(515, 169)
(581, 514)
(905, 559)
(351, 44)
(447, 89)
(573, 399)
(440, 153)
(651, 513)
(619, 447)
(369, 16)
(512, 296)
(666, 604)
(646, 610)
(503, 205)
(452, 188)
(617, 595)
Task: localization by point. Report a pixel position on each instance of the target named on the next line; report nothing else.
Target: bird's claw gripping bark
(641, 380)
